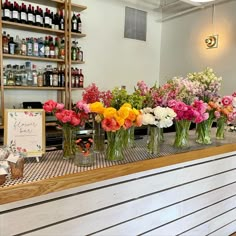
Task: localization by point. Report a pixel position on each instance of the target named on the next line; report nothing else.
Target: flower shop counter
(189, 192)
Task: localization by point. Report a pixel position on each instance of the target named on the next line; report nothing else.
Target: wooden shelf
(77, 88)
(77, 7)
(29, 58)
(34, 88)
(49, 3)
(37, 29)
(77, 35)
(77, 62)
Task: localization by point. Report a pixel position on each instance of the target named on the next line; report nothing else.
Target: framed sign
(24, 131)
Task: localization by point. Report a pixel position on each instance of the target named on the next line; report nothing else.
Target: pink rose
(50, 106)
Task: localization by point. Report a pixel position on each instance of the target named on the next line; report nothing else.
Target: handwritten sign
(24, 131)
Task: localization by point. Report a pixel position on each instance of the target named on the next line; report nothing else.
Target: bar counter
(55, 180)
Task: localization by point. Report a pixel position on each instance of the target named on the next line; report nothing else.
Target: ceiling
(172, 8)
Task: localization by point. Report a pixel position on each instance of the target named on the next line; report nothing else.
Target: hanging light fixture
(212, 40)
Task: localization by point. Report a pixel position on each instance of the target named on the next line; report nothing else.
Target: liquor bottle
(7, 72)
(51, 20)
(15, 12)
(42, 20)
(18, 45)
(81, 79)
(4, 76)
(55, 80)
(73, 51)
(18, 79)
(51, 48)
(56, 48)
(29, 15)
(23, 75)
(47, 77)
(74, 26)
(62, 49)
(5, 42)
(40, 78)
(61, 26)
(73, 81)
(23, 47)
(23, 14)
(11, 46)
(61, 78)
(35, 48)
(46, 47)
(37, 17)
(29, 73)
(10, 78)
(77, 77)
(6, 11)
(79, 24)
(41, 47)
(10, 5)
(34, 76)
(80, 54)
(29, 47)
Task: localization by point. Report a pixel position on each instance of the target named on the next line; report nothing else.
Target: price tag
(13, 158)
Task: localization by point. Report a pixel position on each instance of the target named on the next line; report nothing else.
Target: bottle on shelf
(47, 77)
(29, 15)
(35, 47)
(23, 47)
(51, 48)
(11, 46)
(29, 73)
(40, 78)
(15, 12)
(10, 78)
(23, 14)
(34, 75)
(80, 54)
(73, 51)
(56, 21)
(79, 24)
(4, 76)
(73, 79)
(41, 48)
(56, 48)
(23, 75)
(7, 73)
(11, 9)
(55, 80)
(81, 79)
(29, 46)
(46, 19)
(5, 42)
(61, 25)
(17, 45)
(6, 13)
(37, 17)
(62, 49)
(46, 48)
(34, 17)
(18, 79)
(74, 25)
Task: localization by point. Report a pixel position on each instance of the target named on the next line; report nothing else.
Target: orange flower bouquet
(114, 122)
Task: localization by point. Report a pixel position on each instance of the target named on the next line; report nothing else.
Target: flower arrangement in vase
(69, 121)
(156, 119)
(114, 122)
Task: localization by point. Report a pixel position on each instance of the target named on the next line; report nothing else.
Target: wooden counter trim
(24, 191)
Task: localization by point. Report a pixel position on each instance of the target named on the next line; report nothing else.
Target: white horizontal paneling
(181, 225)
(213, 225)
(94, 200)
(115, 215)
(226, 230)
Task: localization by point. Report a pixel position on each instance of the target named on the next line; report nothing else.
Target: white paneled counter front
(189, 193)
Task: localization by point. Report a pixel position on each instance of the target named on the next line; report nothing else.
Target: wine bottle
(29, 15)
(61, 26)
(37, 17)
(74, 26)
(6, 11)
(5, 47)
(15, 13)
(46, 47)
(81, 79)
(79, 24)
(23, 14)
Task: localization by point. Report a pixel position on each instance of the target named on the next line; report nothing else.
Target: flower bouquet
(114, 122)
(90, 95)
(185, 114)
(68, 121)
(156, 119)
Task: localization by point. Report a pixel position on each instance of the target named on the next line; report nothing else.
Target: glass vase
(154, 139)
(98, 137)
(115, 145)
(220, 128)
(203, 131)
(68, 144)
(129, 137)
(182, 134)
(84, 159)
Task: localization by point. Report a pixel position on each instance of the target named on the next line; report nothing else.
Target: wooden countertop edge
(29, 190)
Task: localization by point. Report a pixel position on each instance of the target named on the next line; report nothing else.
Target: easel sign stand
(24, 131)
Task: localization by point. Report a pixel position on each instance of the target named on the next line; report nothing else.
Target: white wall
(183, 49)
(110, 59)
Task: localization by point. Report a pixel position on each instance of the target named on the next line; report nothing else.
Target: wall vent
(135, 24)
